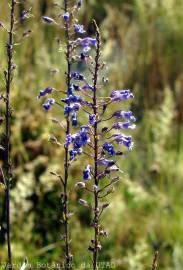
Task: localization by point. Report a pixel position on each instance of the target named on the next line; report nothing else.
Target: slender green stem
(8, 170)
(95, 132)
(68, 256)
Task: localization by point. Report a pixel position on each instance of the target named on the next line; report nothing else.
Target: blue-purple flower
(71, 108)
(76, 106)
(92, 119)
(77, 76)
(127, 115)
(87, 87)
(87, 172)
(68, 140)
(24, 15)
(80, 139)
(123, 125)
(48, 104)
(123, 139)
(120, 95)
(74, 119)
(44, 92)
(109, 148)
(70, 90)
(86, 43)
(72, 99)
(106, 162)
(72, 154)
(78, 28)
(66, 16)
(84, 137)
(67, 110)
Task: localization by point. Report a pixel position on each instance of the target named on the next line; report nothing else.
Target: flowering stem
(68, 257)
(8, 170)
(96, 198)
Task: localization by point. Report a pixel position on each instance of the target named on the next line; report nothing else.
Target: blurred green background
(143, 46)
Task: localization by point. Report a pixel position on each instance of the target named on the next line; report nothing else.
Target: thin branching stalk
(68, 256)
(7, 165)
(95, 132)
(155, 261)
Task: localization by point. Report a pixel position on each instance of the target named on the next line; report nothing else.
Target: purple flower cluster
(73, 103)
(77, 140)
(108, 147)
(86, 43)
(79, 96)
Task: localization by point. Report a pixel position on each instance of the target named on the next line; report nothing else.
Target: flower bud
(80, 185)
(83, 203)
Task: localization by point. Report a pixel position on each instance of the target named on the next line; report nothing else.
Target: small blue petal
(87, 173)
(66, 16)
(78, 28)
(74, 119)
(92, 119)
(77, 76)
(109, 148)
(67, 110)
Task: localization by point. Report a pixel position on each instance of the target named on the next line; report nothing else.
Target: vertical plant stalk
(68, 256)
(95, 131)
(8, 169)
(155, 261)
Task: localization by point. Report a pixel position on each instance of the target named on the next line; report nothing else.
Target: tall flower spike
(72, 102)
(104, 143)
(7, 159)
(99, 143)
